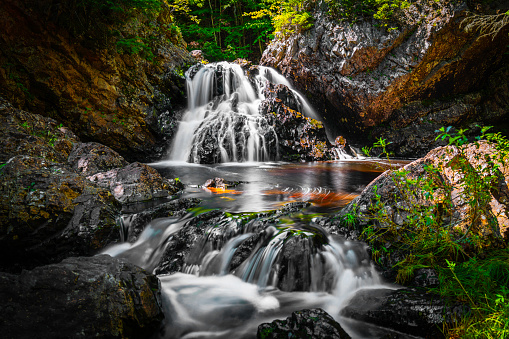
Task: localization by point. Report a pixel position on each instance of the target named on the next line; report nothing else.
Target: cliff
(439, 67)
(106, 72)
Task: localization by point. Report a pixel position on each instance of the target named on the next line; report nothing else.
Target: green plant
(418, 221)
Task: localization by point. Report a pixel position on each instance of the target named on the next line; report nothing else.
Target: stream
(254, 262)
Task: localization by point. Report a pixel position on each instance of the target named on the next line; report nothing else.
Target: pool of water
(328, 186)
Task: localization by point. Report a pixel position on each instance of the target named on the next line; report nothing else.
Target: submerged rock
(80, 298)
(405, 310)
(48, 212)
(315, 323)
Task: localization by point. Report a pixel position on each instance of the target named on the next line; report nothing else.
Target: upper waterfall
(223, 122)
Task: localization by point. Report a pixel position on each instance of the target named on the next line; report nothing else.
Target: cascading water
(224, 292)
(222, 123)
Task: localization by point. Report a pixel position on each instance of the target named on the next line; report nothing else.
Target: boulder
(80, 298)
(91, 158)
(408, 311)
(390, 201)
(135, 182)
(315, 323)
(48, 212)
(434, 69)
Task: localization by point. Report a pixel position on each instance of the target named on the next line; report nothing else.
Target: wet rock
(80, 298)
(179, 246)
(220, 183)
(48, 212)
(134, 183)
(91, 158)
(134, 224)
(216, 183)
(407, 311)
(299, 137)
(427, 73)
(30, 134)
(314, 323)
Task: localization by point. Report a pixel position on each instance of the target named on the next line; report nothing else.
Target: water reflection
(264, 186)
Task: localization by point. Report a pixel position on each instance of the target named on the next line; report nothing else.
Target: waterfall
(222, 122)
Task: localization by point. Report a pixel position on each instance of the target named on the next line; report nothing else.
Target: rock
(197, 54)
(134, 224)
(404, 83)
(80, 298)
(30, 134)
(216, 183)
(134, 183)
(315, 323)
(299, 137)
(48, 212)
(179, 246)
(408, 311)
(91, 158)
(450, 201)
(64, 61)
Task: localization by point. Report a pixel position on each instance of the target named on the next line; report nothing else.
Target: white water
(207, 300)
(228, 118)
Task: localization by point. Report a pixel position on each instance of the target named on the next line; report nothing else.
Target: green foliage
(231, 29)
(382, 10)
(471, 265)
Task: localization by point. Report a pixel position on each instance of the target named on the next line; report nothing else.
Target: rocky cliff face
(403, 84)
(108, 76)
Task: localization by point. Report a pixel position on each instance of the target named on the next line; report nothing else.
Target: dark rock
(299, 137)
(405, 310)
(91, 158)
(134, 183)
(30, 134)
(48, 212)
(315, 323)
(404, 83)
(134, 224)
(180, 245)
(80, 298)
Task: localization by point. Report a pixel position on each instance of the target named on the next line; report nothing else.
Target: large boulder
(80, 298)
(135, 182)
(429, 72)
(48, 212)
(315, 323)
(463, 190)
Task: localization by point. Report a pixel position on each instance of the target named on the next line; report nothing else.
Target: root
(487, 25)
